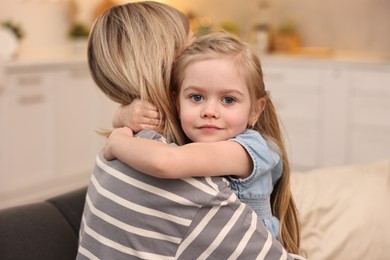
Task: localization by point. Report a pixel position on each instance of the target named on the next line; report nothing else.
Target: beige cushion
(345, 211)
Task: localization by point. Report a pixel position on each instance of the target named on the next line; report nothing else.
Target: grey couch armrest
(43, 230)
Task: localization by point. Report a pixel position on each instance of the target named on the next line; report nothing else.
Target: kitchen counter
(49, 110)
(315, 57)
(42, 63)
(45, 61)
(319, 55)
(325, 56)
(335, 108)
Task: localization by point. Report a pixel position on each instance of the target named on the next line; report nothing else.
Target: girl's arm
(137, 115)
(165, 161)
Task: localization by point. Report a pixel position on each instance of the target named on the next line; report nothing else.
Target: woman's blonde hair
(222, 45)
(131, 51)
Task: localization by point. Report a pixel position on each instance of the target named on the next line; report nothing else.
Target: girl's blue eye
(229, 100)
(196, 98)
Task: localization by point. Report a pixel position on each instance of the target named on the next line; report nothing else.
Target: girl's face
(214, 101)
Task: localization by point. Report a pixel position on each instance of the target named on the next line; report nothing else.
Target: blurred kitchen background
(326, 65)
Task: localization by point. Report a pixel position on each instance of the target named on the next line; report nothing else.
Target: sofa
(344, 213)
(43, 230)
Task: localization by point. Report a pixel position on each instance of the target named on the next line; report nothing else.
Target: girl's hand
(138, 115)
(115, 140)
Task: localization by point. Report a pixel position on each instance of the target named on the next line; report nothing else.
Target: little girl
(233, 128)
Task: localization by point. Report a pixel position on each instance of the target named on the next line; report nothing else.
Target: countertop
(326, 57)
(308, 56)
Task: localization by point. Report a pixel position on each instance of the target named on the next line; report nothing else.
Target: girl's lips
(209, 127)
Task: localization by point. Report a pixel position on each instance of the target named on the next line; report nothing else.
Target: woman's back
(128, 213)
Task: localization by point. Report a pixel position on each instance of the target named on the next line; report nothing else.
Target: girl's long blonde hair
(248, 65)
(131, 51)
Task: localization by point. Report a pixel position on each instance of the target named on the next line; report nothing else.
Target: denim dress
(256, 189)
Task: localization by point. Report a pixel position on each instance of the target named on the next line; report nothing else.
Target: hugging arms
(129, 214)
(232, 129)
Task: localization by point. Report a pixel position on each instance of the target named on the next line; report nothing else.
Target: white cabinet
(25, 127)
(74, 121)
(48, 116)
(334, 107)
(333, 112)
(296, 96)
(369, 115)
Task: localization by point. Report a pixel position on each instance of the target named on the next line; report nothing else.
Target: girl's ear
(257, 110)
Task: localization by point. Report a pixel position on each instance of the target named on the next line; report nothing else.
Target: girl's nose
(210, 110)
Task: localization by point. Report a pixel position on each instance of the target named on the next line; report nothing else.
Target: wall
(357, 25)
(347, 25)
(354, 25)
(45, 22)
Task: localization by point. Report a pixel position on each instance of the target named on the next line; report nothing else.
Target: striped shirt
(130, 215)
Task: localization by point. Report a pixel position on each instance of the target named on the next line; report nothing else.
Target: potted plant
(79, 33)
(10, 36)
(78, 30)
(287, 38)
(14, 28)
